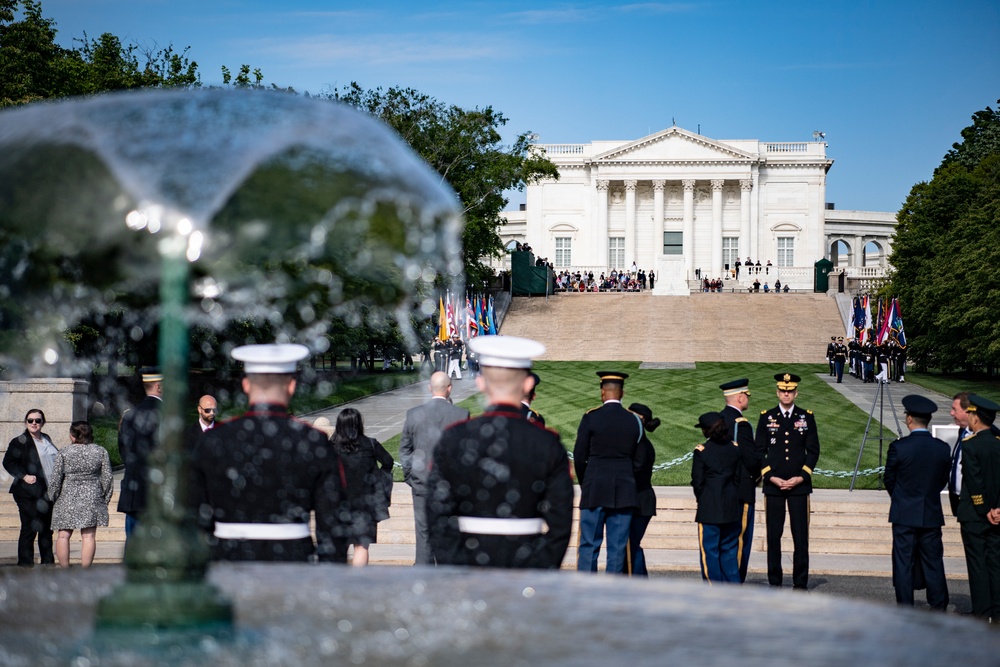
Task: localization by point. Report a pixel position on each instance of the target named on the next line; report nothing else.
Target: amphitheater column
(601, 234)
(630, 222)
(717, 227)
(746, 185)
(858, 251)
(688, 240)
(657, 248)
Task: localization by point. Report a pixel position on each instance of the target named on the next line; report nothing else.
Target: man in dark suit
(979, 508)
(498, 480)
(787, 434)
(959, 405)
(526, 410)
(138, 436)
(258, 479)
(737, 397)
(916, 469)
(606, 454)
(421, 434)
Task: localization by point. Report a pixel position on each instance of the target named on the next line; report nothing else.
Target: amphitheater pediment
(674, 145)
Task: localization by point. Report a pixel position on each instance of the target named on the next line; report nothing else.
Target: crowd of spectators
(615, 281)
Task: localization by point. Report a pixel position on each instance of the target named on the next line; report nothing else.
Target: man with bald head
(421, 434)
(501, 491)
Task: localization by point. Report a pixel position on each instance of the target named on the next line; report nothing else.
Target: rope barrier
(839, 474)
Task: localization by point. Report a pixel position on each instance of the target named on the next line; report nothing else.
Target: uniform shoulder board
(740, 419)
(592, 409)
(809, 412)
(699, 448)
(763, 412)
(969, 437)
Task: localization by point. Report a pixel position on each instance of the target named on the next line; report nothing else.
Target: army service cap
(919, 406)
(151, 374)
(982, 405)
(787, 381)
(278, 359)
(613, 377)
(741, 386)
(506, 351)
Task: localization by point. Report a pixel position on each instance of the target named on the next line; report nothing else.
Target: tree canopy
(464, 146)
(34, 67)
(946, 253)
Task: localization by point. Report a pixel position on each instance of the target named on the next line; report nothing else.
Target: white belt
(489, 526)
(261, 531)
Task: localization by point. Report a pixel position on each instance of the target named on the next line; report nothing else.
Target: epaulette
(699, 448)
(969, 437)
(763, 412)
(592, 409)
(809, 412)
(740, 419)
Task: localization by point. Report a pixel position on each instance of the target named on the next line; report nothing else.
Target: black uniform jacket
(644, 479)
(606, 455)
(791, 449)
(266, 467)
(916, 470)
(980, 476)
(500, 465)
(22, 459)
(742, 433)
(137, 438)
(531, 415)
(716, 470)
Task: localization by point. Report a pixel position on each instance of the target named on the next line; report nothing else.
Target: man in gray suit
(421, 433)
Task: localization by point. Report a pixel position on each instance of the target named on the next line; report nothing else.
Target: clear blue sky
(891, 82)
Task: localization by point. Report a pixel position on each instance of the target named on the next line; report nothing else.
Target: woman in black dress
(362, 456)
(645, 494)
(715, 476)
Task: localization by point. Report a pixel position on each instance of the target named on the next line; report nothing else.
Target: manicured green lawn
(952, 383)
(678, 397)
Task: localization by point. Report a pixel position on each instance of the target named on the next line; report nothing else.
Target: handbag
(383, 490)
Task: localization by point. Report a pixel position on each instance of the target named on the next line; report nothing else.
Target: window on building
(673, 243)
(616, 252)
(564, 252)
(730, 250)
(786, 251)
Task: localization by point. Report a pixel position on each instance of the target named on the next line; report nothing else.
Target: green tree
(465, 147)
(945, 254)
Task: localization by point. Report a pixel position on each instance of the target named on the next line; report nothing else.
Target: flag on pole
(867, 332)
(897, 324)
(491, 317)
(885, 330)
(442, 321)
(471, 321)
(452, 324)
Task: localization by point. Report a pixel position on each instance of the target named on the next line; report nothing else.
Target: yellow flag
(442, 321)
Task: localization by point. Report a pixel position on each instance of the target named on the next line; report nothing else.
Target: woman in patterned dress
(80, 489)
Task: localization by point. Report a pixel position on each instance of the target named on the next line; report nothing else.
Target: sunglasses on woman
(33, 421)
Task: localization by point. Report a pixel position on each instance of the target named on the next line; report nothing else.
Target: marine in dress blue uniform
(716, 469)
(916, 470)
(737, 397)
(501, 494)
(257, 479)
(787, 435)
(979, 508)
(605, 457)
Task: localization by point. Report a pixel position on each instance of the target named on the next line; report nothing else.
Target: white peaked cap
(277, 359)
(506, 351)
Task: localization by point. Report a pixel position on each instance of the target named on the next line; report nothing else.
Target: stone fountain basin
(321, 615)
